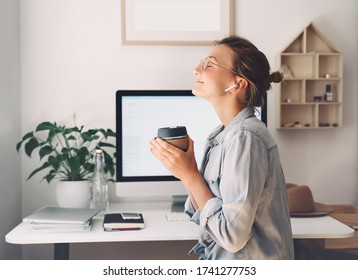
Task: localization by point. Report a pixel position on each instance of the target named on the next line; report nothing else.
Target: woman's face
(212, 82)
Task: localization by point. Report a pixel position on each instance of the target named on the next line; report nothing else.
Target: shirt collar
(218, 134)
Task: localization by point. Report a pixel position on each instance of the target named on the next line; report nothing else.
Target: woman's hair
(251, 64)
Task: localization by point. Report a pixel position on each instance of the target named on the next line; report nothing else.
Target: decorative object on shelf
(317, 98)
(67, 152)
(313, 77)
(286, 72)
(328, 95)
(294, 124)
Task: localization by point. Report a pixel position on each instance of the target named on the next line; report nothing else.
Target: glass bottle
(99, 184)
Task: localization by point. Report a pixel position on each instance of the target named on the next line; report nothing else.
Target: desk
(157, 228)
(317, 228)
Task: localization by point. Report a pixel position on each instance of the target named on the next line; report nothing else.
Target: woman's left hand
(180, 164)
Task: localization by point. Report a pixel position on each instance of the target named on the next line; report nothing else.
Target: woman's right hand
(181, 164)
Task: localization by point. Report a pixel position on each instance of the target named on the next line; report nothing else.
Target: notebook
(61, 215)
(123, 221)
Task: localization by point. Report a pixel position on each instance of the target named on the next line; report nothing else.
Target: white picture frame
(176, 22)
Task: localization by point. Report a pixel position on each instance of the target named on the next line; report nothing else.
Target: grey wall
(10, 118)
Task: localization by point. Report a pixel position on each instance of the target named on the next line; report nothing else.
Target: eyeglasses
(204, 63)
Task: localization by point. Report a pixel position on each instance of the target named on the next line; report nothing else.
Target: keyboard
(177, 217)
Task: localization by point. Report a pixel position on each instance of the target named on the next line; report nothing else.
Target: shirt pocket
(214, 185)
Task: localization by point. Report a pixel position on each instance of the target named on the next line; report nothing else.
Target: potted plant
(67, 152)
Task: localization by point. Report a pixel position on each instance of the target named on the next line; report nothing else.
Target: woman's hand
(180, 164)
(183, 166)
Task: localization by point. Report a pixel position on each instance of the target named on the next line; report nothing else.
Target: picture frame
(187, 22)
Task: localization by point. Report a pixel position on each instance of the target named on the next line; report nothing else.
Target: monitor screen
(139, 115)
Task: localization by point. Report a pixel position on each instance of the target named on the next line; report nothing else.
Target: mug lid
(172, 131)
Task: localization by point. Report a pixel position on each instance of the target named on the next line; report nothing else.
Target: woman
(238, 198)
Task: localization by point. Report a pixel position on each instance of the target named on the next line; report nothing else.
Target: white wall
(10, 181)
(72, 60)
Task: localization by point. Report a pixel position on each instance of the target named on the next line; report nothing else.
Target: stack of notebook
(61, 220)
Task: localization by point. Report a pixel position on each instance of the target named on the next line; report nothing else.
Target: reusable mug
(175, 135)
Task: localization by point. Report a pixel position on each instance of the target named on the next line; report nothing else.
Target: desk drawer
(332, 243)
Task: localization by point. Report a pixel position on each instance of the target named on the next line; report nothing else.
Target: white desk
(319, 227)
(157, 228)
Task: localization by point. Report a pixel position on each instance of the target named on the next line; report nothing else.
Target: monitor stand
(178, 202)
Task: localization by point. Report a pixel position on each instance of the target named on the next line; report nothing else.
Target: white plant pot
(73, 194)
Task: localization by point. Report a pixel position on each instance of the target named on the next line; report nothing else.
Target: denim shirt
(248, 218)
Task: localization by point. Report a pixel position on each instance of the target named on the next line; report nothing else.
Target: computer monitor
(139, 114)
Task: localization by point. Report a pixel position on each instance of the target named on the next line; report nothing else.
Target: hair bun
(276, 77)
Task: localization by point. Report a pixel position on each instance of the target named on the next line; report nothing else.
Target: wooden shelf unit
(308, 64)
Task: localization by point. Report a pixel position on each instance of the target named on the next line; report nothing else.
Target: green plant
(67, 152)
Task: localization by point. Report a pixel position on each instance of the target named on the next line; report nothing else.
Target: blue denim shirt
(248, 218)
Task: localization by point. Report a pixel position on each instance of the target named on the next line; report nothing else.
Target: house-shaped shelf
(309, 64)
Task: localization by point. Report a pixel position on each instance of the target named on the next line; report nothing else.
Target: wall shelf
(308, 64)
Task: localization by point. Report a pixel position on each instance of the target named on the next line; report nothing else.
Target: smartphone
(130, 216)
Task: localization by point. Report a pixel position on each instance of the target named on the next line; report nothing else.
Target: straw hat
(302, 204)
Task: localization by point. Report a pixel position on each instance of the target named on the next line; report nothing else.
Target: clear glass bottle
(99, 184)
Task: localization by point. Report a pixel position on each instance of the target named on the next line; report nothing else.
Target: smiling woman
(238, 196)
(142, 21)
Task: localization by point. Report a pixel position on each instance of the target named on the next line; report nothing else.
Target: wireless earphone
(229, 88)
